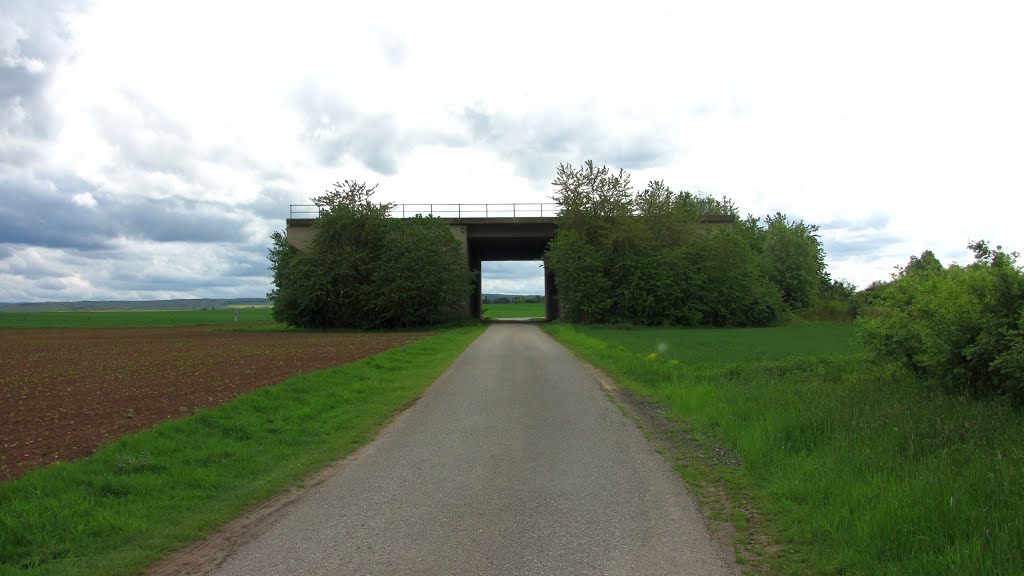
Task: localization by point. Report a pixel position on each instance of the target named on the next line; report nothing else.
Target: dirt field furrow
(65, 392)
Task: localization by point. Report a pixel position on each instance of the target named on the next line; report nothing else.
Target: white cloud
(894, 126)
(84, 199)
(517, 277)
(132, 270)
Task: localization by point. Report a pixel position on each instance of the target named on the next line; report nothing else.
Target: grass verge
(524, 310)
(135, 499)
(845, 465)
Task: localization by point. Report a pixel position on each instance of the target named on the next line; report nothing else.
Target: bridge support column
(475, 300)
(459, 231)
(550, 296)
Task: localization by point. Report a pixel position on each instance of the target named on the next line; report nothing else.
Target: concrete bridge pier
(476, 300)
(550, 296)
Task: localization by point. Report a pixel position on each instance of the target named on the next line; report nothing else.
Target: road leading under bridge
(513, 462)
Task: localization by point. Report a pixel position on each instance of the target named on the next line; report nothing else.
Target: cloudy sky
(148, 149)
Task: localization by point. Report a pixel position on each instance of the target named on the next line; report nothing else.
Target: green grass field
(120, 509)
(856, 467)
(493, 311)
(133, 319)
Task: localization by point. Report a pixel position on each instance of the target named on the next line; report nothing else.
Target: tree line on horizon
(512, 299)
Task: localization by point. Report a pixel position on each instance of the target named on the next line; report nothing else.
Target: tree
(794, 260)
(961, 326)
(640, 257)
(732, 289)
(584, 291)
(365, 270)
(927, 263)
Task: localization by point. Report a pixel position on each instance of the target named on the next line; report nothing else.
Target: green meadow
(855, 466)
(496, 311)
(132, 318)
(137, 498)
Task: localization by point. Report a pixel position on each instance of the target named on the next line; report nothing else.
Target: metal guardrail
(302, 211)
(312, 211)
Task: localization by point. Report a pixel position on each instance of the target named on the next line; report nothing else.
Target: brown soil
(65, 392)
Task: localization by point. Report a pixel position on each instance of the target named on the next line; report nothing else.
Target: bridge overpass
(487, 232)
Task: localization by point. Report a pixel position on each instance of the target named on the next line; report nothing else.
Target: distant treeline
(512, 299)
(98, 306)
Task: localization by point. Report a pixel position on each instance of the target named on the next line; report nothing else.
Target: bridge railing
(516, 210)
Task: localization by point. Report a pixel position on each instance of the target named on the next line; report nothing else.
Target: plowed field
(63, 393)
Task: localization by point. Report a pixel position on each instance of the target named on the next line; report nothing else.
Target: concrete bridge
(488, 232)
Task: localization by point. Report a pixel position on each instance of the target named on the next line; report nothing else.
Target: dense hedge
(366, 270)
(962, 326)
(645, 257)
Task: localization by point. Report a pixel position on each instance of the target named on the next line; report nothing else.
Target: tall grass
(859, 468)
(148, 493)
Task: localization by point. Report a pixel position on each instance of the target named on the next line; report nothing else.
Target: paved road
(514, 462)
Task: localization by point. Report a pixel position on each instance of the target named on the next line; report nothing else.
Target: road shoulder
(739, 532)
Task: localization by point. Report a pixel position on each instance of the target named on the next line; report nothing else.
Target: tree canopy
(364, 269)
(651, 257)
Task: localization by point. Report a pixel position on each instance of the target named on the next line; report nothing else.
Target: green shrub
(794, 260)
(961, 326)
(1010, 362)
(365, 270)
(644, 259)
(732, 291)
(583, 290)
(831, 309)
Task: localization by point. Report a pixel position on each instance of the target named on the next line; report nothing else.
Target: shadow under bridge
(507, 239)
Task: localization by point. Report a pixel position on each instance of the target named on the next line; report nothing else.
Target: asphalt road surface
(513, 462)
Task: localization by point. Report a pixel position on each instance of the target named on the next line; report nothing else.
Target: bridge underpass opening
(512, 289)
(509, 240)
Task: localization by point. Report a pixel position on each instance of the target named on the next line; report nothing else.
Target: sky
(149, 149)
